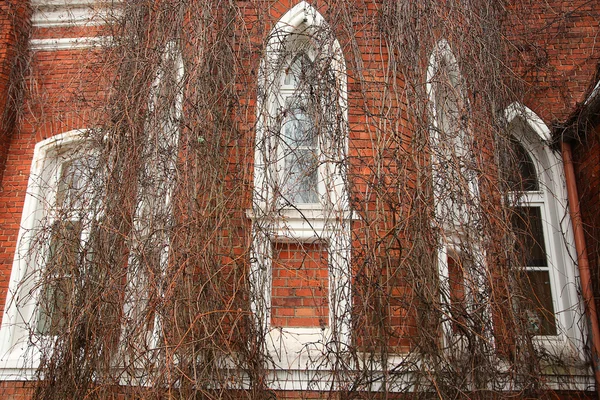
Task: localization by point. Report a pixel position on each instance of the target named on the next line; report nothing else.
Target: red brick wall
(14, 27)
(586, 158)
(556, 54)
(556, 61)
(300, 285)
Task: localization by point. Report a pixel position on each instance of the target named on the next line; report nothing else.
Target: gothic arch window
(534, 178)
(460, 257)
(301, 217)
(153, 216)
(454, 181)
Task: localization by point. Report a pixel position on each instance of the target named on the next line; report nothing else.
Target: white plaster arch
(518, 110)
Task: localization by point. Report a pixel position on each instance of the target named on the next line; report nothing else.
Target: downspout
(582, 258)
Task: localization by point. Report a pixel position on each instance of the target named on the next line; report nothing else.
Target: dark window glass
(538, 307)
(519, 169)
(528, 228)
(59, 277)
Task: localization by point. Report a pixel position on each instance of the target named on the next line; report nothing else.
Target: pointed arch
(300, 202)
(461, 260)
(518, 110)
(541, 226)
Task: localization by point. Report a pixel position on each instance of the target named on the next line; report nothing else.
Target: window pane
(78, 179)
(54, 305)
(527, 225)
(298, 130)
(61, 269)
(298, 71)
(519, 170)
(301, 177)
(301, 160)
(539, 309)
(537, 304)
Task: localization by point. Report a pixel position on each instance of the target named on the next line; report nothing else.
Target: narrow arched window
(157, 176)
(54, 270)
(534, 180)
(454, 177)
(301, 217)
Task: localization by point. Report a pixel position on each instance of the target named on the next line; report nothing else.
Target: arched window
(460, 257)
(454, 180)
(153, 216)
(301, 217)
(61, 217)
(534, 178)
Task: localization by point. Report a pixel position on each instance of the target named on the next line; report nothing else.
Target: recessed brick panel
(299, 296)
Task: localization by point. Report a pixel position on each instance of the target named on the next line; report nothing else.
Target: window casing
(61, 215)
(461, 260)
(543, 237)
(153, 216)
(300, 194)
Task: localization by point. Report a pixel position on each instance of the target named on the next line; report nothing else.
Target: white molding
(69, 13)
(518, 110)
(19, 356)
(594, 93)
(76, 43)
(327, 221)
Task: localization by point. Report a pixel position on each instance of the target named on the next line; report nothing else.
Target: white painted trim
(594, 93)
(517, 109)
(69, 13)
(69, 43)
(19, 357)
(325, 222)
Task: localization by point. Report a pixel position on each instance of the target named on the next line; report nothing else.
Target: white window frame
(20, 345)
(326, 222)
(163, 142)
(452, 218)
(533, 134)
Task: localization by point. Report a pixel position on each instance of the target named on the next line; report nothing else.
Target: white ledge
(69, 13)
(69, 43)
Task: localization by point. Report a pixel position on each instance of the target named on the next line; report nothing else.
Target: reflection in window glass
(519, 170)
(527, 225)
(301, 159)
(539, 310)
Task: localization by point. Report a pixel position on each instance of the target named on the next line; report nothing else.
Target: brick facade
(556, 63)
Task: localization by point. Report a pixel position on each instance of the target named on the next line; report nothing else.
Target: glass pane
(447, 99)
(539, 310)
(61, 267)
(76, 180)
(298, 130)
(299, 69)
(528, 228)
(54, 306)
(301, 177)
(300, 174)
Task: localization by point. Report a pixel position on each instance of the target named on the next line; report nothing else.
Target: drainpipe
(582, 259)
